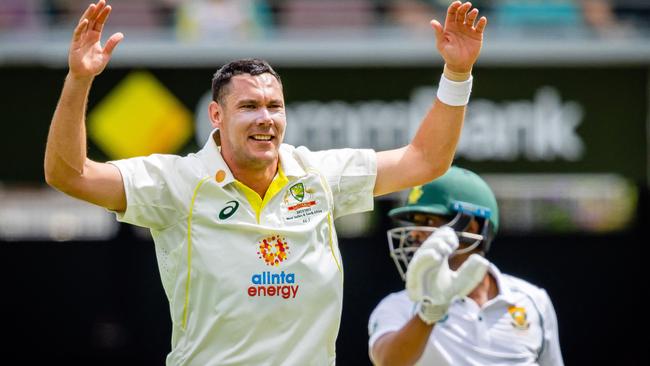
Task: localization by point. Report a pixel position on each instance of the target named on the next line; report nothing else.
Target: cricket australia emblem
(298, 191)
(300, 203)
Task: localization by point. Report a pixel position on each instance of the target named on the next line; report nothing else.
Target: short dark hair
(252, 66)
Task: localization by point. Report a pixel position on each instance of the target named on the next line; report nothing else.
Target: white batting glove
(430, 281)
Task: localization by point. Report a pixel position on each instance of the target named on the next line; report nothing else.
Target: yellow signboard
(140, 116)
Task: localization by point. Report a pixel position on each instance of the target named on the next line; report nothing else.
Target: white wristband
(454, 93)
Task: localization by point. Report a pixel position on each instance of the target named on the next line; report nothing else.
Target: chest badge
(298, 191)
(299, 201)
(519, 317)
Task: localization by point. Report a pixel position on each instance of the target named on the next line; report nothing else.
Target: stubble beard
(248, 159)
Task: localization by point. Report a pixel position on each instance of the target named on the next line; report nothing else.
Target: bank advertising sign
(548, 140)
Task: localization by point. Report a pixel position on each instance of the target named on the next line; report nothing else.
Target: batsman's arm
(404, 346)
(432, 285)
(432, 149)
(67, 167)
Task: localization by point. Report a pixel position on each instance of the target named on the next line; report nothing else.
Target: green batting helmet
(460, 195)
(457, 190)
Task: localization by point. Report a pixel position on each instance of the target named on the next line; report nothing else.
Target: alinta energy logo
(273, 250)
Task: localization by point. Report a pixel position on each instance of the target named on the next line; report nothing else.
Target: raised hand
(87, 58)
(459, 42)
(432, 284)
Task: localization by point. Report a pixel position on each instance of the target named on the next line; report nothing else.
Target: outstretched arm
(67, 167)
(431, 151)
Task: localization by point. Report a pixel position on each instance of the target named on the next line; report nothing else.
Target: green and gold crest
(298, 191)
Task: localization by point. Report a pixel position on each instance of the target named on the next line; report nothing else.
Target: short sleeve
(351, 174)
(551, 354)
(154, 191)
(390, 315)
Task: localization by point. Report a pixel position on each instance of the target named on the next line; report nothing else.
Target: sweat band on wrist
(454, 93)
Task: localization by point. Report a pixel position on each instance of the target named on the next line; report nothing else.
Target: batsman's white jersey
(250, 280)
(517, 327)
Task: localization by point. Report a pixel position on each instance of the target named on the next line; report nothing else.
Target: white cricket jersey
(250, 280)
(517, 327)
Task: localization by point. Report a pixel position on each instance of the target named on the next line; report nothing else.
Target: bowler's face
(251, 120)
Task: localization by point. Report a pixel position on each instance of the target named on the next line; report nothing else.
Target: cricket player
(457, 308)
(244, 228)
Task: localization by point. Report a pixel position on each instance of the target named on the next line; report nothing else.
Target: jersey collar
(288, 162)
(212, 160)
(504, 293)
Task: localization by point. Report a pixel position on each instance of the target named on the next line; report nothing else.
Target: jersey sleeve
(551, 354)
(153, 191)
(390, 315)
(351, 174)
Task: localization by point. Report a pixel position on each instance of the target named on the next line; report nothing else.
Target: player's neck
(258, 180)
(486, 290)
(256, 175)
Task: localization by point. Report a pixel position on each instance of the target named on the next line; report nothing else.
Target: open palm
(87, 57)
(460, 41)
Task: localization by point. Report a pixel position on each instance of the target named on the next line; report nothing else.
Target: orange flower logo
(273, 250)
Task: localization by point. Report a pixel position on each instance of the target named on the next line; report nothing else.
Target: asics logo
(229, 210)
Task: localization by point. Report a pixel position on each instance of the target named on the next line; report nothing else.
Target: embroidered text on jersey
(300, 202)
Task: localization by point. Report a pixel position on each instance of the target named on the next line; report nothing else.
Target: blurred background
(557, 124)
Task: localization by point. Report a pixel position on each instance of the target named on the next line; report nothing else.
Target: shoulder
(395, 300)
(336, 161)
(175, 164)
(153, 160)
(519, 286)
(390, 315)
(304, 152)
(163, 169)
